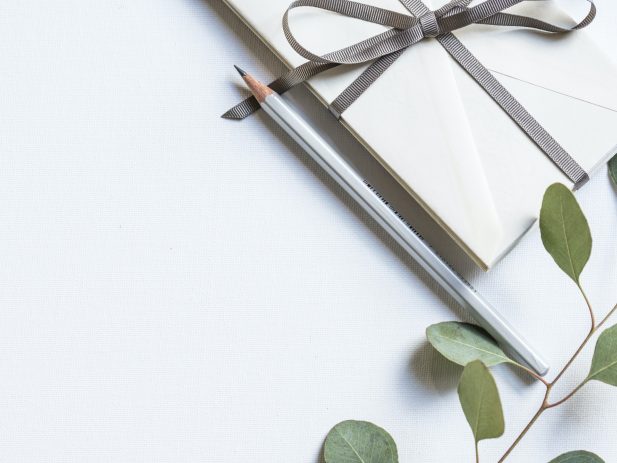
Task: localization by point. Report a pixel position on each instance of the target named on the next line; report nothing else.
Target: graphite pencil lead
(240, 71)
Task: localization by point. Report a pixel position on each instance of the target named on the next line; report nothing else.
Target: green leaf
(479, 398)
(578, 456)
(604, 362)
(359, 442)
(564, 229)
(463, 343)
(612, 169)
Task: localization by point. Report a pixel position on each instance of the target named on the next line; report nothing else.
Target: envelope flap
(416, 125)
(570, 64)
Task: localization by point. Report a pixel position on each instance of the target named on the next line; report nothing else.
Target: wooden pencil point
(260, 91)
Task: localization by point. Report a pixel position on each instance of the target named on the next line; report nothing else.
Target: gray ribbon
(406, 30)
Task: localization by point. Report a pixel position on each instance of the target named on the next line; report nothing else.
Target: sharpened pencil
(400, 230)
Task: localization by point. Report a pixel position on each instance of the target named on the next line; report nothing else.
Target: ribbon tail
(300, 74)
(243, 109)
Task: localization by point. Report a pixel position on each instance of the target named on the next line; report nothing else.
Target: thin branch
(549, 385)
(592, 330)
(545, 405)
(578, 351)
(528, 427)
(569, 396)
(606, 318)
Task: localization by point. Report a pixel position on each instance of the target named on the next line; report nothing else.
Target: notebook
(442, 137)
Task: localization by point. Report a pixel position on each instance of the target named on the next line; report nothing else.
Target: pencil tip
(240, 71)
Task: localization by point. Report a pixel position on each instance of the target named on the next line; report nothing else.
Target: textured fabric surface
(176, 287)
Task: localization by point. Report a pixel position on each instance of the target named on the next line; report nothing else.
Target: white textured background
(175, 287)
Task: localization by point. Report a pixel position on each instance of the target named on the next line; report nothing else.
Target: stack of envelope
(442, 137)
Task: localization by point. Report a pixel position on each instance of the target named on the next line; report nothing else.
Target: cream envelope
(436, 131)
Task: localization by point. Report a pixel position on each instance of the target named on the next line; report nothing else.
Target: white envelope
(442, 137)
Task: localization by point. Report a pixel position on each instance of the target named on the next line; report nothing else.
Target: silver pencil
(396, 226)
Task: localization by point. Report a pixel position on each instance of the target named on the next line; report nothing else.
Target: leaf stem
(591, 315)
(532, 373)
(576, 389)
(477, 453)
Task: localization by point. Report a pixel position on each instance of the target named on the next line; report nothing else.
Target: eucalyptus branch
(608, 315)
(528, 426)
(576, 354)
(549, 385)
(545, 406)
(595, 330)
(569, 396)
(566, 236)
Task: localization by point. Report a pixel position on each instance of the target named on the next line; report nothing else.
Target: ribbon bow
(406, 30)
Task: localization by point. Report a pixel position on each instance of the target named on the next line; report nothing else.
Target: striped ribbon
(406, 30)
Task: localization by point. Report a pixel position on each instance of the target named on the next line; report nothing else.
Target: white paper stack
(442, 137)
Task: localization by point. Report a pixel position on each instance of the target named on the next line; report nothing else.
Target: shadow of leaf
(321, 457)
(433, 369)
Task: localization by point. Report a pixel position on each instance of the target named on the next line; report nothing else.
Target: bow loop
(453, 7)
(405, 30)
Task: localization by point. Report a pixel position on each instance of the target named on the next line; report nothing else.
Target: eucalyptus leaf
(479, 398)
(359, 442)
(604, 362)
(578, 456)
(612, 169)
(463, 343)
(564, 229)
